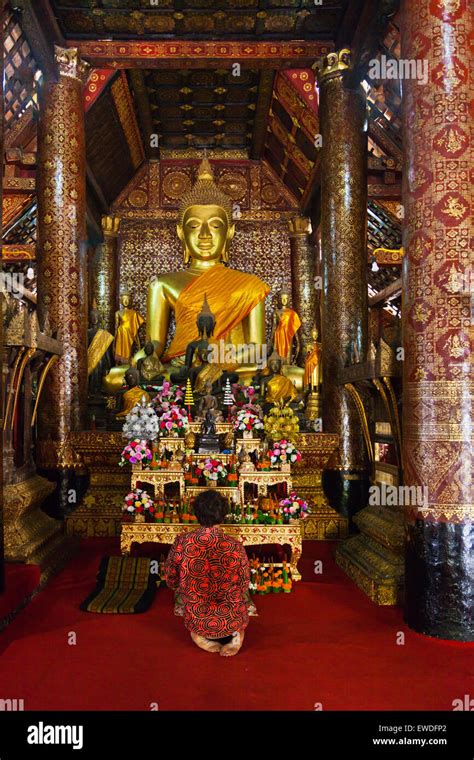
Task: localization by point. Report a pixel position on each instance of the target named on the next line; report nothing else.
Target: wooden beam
(143, 109)
(391, 291)
(97, 190)
(381, 190)
(264, 99)
(129, 54)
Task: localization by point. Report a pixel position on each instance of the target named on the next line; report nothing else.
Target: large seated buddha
(237, 299)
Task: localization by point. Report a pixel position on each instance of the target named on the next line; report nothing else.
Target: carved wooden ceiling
(202, 108)
(199, 19)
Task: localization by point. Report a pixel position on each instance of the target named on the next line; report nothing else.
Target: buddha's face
(125, 300)
(284, 297)
(205, 232)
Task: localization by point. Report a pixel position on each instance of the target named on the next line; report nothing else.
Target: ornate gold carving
(375, 558)
(70, 64)
(249, 535)
(126, 111)
(323, 524)
(299, 225)
(30, 535)
(110, 225)
(316, 449)
(332, 64)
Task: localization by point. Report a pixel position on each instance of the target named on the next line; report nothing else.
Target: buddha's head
(284, 298)
(205, 224)
(149, 348)
(125, 299)
(274, 363)
(314, 333)
(132, 378)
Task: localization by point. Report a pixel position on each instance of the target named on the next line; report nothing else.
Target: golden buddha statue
(127, 324)
(150, 367)
(277, 387)
(237, 299)
(286, 324)
(313, 376)
(134, 394)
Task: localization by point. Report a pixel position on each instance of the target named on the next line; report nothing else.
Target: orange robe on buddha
(311, 364)
(288, 324)
(231, 295)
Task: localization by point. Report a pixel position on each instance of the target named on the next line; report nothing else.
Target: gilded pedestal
(437, 371)
(344, 267)
(30, 535)
(374, 559)
(100, 511)
(324, 522)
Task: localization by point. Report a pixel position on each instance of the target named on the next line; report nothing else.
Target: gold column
(343, 115)
(62, 286)
(105, 289)
(302, 278)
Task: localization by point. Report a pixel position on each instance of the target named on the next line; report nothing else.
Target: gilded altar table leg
(126, 542)
(296, 548)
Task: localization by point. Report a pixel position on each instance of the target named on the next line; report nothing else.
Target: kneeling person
(211, 573)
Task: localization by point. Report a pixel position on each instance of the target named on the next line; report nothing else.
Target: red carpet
(325, 643)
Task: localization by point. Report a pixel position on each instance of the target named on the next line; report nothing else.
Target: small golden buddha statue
(150, 368)
(313, 376)
(134, 394)
(127, 324)
(286, 323)
(277, 387)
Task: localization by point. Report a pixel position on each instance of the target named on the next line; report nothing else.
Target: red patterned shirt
(211, 572)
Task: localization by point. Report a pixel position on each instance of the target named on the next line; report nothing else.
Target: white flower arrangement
(247, 420)
(141, 423)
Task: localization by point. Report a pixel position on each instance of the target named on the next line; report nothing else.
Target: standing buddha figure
(312, 367)
(286, 324)
(127, 324)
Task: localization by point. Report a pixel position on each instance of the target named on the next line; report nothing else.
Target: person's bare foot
(228, 650)
(203, 643)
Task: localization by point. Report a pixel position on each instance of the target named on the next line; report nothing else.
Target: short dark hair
(210, 508)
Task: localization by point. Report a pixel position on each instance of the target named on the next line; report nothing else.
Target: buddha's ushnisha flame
(205, 193)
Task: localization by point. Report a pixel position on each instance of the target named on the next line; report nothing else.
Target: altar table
(249, 535)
